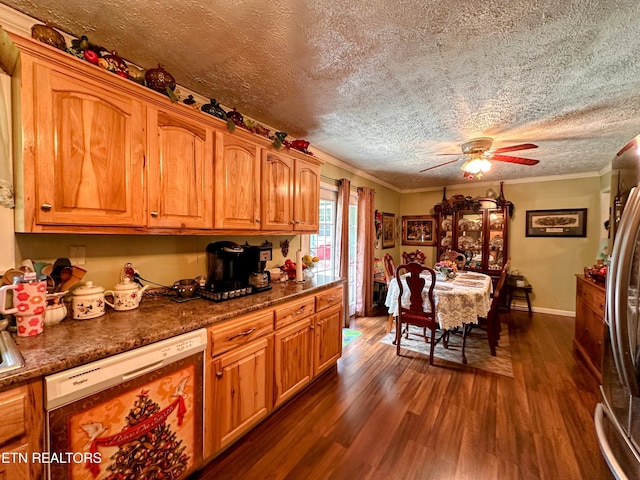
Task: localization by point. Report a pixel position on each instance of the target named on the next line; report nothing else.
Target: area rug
(476, 350)
(349, 336)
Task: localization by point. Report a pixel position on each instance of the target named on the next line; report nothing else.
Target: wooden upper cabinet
(88, 151)
(237, 183)
(277, 191)
(180, 172)
(306, 200)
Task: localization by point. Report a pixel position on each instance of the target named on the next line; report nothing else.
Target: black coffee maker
(226, 267)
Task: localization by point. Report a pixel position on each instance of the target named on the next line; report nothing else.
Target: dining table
(460, 300)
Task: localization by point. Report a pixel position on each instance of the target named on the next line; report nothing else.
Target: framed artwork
(388, 230)
(557, 223)
(419, 230)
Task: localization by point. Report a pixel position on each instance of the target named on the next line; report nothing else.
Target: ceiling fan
(478, 155)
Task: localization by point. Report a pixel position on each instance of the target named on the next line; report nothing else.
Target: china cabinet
(477, 228)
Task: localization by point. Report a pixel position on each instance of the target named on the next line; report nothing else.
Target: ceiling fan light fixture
(476, 164)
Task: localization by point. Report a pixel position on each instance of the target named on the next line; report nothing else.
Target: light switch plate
(77, 254)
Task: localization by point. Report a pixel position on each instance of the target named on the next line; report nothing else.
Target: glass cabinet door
(470, 241)
(495, 259)
(445, 240)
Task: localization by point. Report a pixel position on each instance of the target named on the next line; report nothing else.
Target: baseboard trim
(548, 311)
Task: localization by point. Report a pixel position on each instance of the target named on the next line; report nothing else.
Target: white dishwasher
(136, 415)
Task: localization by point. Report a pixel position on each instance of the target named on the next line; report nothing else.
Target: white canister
(87, 301)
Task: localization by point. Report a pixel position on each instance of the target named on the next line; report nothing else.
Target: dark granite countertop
(76, 342)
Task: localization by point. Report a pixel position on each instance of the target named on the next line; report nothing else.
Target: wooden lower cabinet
(259, 361)
(241, 390)
(327, 347)
(21, 431)
(589, 324)
(293, 361)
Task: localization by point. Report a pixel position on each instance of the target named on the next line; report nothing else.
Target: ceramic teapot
(126, 295)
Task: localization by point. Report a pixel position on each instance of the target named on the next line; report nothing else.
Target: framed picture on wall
(388, 230)
(419, 230)
(557, 223)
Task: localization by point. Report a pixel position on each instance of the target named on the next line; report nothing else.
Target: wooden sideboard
(589, 326)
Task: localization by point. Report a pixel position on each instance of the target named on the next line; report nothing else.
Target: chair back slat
(389, 267)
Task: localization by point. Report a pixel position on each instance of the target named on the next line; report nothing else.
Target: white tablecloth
(458, 301)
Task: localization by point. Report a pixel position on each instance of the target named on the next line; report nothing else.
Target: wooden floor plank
(380, 416)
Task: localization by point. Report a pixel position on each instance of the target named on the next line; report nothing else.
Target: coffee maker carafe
(257, 258)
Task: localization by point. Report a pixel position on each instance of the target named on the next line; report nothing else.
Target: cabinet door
(241, 390)
(470, 241)
(306, 202)
(327, 339)
(293, 366)
(89, 152)
(497, 238)
(180, 171)
(237, 183)
(277, 191)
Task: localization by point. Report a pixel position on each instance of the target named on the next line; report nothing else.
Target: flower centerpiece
(446, 268)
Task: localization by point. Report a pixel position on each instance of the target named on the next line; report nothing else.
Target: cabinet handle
(297, 222)
(292, 222)
(46, 207)
(299, 311)
(242, 334)
(218, 374)
(154, 214)
(258, 220)
(331, 299)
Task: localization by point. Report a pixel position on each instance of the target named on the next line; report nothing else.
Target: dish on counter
(446, 242)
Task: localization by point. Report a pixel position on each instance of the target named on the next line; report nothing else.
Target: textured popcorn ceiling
(387, 85)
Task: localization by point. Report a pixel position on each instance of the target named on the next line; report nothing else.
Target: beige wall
(550, 264)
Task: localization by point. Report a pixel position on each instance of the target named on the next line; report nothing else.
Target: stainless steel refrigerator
(617, 417)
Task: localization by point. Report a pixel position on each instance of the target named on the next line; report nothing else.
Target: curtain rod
(337, 181)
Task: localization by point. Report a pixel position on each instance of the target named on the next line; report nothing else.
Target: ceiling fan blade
(513, 148)
(440, 165)
(519, 160)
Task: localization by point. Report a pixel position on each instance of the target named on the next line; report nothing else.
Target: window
(323, 244)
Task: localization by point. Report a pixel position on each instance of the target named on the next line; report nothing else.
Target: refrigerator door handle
(605, 447)
(617, 293)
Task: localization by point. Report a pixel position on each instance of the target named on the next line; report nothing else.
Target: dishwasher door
(135, 415)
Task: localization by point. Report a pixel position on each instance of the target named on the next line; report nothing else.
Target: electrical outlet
(77, 254)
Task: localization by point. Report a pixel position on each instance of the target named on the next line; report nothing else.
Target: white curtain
(366, 239)
(342, 241)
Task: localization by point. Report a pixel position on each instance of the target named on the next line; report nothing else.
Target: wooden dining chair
(417, 256)
(492, 321)
(458, 258)
(416, 314)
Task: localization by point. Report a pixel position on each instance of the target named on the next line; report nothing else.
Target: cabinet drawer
(294, 311)
(237, 332)
(328, 299)
(13, 405)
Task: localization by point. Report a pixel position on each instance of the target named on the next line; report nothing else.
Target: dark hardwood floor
(379, 416)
